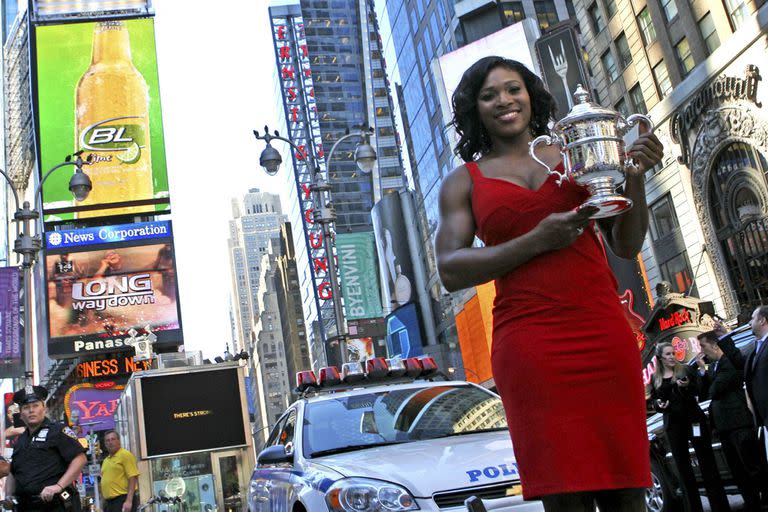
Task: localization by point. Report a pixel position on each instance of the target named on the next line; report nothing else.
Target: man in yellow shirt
(119, 476)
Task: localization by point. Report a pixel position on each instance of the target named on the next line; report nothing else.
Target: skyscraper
(255, 221)
(267, 346)
(288, 297)
(332, 80)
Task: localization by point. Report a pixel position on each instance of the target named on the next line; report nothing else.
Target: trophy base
(608, 205)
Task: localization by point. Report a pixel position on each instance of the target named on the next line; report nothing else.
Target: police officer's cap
(30, 394)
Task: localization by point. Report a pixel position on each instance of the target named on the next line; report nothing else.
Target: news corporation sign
(107, 234)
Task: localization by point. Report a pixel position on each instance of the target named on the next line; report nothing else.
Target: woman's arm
(461, 266)
(625, 233)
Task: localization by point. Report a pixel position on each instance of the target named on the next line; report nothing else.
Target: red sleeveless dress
(564, 358)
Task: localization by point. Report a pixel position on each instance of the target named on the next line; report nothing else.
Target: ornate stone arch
(720, 128)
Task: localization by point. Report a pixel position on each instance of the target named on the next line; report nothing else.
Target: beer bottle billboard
(106, 72)
(112, 114)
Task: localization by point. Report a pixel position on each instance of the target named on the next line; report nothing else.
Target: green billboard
(359, 279)
(97, 92)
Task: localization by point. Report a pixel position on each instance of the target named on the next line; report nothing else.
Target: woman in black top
(674, 393)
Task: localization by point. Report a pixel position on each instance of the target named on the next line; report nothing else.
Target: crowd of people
(738, 390)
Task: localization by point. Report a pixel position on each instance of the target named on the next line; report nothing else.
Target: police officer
(46, 460)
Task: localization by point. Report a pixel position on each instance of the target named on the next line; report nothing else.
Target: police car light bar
(396, 367)
(428, 365)
(374, 371)
(413, 367)
(352, 372)
(376, 368)
(329, 376)
(305, 379)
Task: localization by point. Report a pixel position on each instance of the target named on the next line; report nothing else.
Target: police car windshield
(398, 415)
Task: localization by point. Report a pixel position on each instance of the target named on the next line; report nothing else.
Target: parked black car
(666, 495)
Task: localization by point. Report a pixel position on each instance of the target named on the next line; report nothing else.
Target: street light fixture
(324, 213)
(93, 468)
(28, 245)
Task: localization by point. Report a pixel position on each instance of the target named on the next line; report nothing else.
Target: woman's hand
(646, 151)
(561, 229)
(662, 405)
(700, 361)
(683, 382)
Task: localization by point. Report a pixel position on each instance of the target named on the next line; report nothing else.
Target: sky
(215, 64)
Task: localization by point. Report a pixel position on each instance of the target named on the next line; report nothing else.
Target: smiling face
(503, 103)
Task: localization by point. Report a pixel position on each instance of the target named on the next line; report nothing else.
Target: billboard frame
(141, 419)
(35, 105)
(106, 246)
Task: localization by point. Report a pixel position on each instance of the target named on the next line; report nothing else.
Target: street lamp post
(27, 245)
(324, 213)
(93, 468)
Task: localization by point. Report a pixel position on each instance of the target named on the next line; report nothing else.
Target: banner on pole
(11, 363)
(359, 279)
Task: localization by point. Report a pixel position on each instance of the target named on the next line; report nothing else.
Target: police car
(387, 436)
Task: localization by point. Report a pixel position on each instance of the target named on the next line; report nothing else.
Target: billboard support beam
(324, 213)
(28, 246)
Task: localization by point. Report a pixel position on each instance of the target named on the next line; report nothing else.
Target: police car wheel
(660, 496)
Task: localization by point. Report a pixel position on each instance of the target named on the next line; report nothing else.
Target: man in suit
(756, 367)
(730, 416)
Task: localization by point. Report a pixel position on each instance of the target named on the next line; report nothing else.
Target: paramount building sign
(721, 89)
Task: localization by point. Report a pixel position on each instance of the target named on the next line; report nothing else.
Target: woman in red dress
(564, 358)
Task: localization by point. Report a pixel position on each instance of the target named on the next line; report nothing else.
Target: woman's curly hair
(473, 138)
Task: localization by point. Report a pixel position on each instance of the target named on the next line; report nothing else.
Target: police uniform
(41, 458)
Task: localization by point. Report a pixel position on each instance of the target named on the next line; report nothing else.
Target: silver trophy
(591, 140)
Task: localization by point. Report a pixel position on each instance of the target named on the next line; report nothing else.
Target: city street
(337, 256)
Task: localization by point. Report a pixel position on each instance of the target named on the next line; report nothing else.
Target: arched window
(738, 194)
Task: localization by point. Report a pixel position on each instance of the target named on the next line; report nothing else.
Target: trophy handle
(635, 118)
(548, 140)
(631, 121)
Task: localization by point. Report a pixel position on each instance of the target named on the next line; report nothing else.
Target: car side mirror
(275, 455)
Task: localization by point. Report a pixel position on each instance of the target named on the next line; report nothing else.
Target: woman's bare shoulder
(459, 175)
(456, 185)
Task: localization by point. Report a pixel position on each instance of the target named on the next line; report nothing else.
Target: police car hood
(426, 467)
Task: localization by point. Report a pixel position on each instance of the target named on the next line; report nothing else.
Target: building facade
(332, 80)
(695, 68)
(256, 219)
(268, 364)
(288, 294)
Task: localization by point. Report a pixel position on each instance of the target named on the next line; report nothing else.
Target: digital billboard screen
(97, 91)
(404, 333)
(104, 282)
(178, 408)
